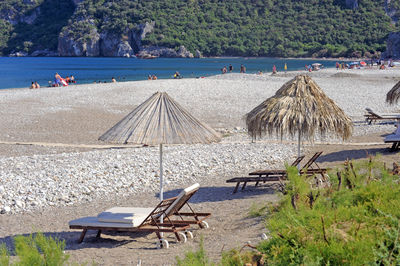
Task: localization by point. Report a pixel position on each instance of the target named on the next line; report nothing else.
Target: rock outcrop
(392, 46)
(391, 11)
(352, 4)
(198, 54)
(14, 17)
(77, 2)
(137, 35)
(69, 46)
(164, 52)
(125, 50)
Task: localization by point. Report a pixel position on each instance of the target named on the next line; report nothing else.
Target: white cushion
(135, 215)
(93, 221)
(128, 215)
(184, 192)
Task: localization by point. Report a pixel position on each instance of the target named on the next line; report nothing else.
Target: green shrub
(36, 250)
(354, 223)
(195, 258)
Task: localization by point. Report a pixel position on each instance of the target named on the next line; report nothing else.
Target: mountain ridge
(311, 28)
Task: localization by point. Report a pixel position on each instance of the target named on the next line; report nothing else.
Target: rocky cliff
(114, 45)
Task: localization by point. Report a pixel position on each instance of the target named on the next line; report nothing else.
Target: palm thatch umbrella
(157, 121)
(299, 107)
(393, 95)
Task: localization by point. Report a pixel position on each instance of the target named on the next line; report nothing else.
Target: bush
(35, 250)
(195, 258)
(352, 221)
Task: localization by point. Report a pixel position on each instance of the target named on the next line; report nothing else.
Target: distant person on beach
(72, 79)
(223, 70)
(230, 68)
(33, 86)
(149, 77)
(337, 65)
(242, 69)
(274, 70)
(57, 80)
(177, 75)
(113, 80)
(37, 86)
(67, 79)
(285, 67)
(154, 77)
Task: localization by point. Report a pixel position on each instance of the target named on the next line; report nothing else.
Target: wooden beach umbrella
(157, 121)
(301, 108)
(393, 95)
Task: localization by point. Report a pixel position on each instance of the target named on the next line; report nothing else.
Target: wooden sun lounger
(372, 116)
(277, 175)
(162, 219)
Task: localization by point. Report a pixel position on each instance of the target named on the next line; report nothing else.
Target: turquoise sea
(19, 72)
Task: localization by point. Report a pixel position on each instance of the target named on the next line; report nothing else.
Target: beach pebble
(34, 182)
(5, 209)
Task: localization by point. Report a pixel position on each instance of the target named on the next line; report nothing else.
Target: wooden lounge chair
(161, 219)
(276, 175)
(372, 116)
(394, 138)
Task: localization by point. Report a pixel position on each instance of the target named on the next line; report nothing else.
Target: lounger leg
(394, 146)
(244, 185)
(82, 235)
(98, 234)
(177, 237)
(257, 183)
(236, 188)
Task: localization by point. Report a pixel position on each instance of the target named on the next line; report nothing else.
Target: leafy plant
(195, 258)
(36, 250)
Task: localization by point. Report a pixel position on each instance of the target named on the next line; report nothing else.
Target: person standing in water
(285, 67)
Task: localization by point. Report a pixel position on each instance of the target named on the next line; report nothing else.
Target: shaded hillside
(243, 28)
(32, 26)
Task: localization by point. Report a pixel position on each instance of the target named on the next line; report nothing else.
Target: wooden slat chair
(262, 176)
(158, 220)
(310, 168)
(372, 116)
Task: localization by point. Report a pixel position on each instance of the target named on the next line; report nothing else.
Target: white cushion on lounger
(127, 215)
(135, 215)
(94, 222)
(184, 192)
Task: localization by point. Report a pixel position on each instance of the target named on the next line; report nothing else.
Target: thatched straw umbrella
(393, 95)
(299, 107)
(157, 121)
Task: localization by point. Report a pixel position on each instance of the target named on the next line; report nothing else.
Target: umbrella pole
(161, 174)
(298, 147)
(161, 185)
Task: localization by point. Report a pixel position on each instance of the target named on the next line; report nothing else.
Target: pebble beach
(52, 165)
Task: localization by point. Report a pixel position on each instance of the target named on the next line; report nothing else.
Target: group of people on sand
(59, 81)
(230, 69)
(152, 77)
(34, 85)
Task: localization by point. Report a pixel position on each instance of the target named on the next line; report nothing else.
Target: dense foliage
(284, 28)
(353, 221)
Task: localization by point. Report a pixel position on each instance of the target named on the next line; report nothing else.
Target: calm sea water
(19, 72)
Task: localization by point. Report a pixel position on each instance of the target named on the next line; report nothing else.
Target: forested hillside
(284, 28)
